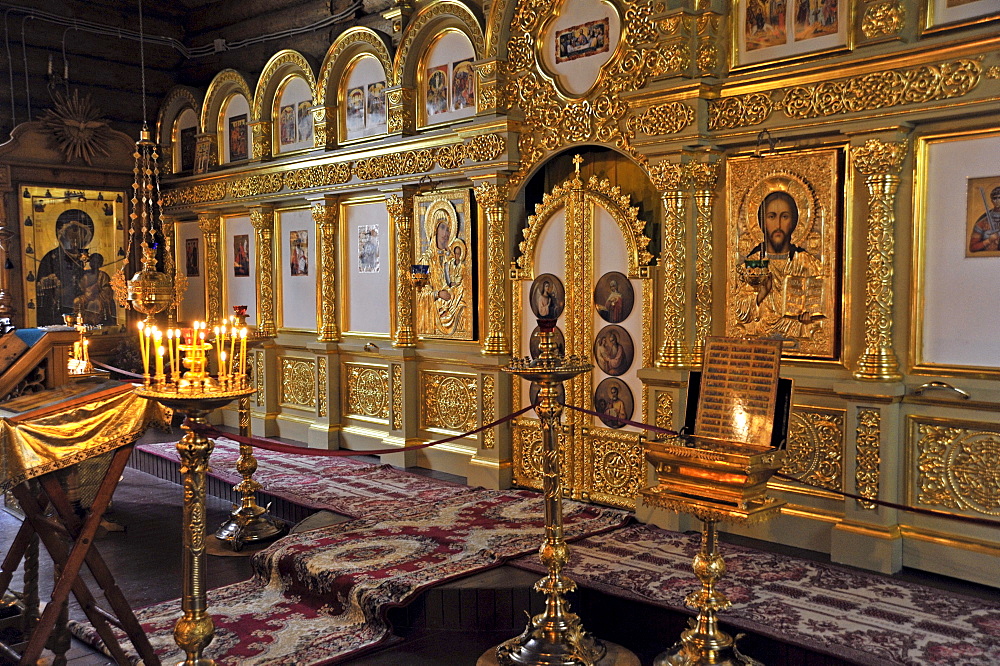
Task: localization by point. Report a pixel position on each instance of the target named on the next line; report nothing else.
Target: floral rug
(348, 487)
(320, 596)
(857, 616)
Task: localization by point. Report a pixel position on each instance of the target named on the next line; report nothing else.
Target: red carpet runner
(320, 596)
(861, 617)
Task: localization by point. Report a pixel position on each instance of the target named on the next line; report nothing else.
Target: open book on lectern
(738, 396)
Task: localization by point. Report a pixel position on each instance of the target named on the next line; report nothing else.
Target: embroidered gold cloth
(55, 437)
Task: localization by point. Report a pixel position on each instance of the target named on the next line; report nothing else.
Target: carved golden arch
(348, 45)
(174, 104)
(282, 65)
(427, 23)
(599, 191)
(225, 84)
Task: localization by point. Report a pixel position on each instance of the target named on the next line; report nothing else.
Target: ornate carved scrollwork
(262, 219)
(400, 210)
(867, 457)
(325, 217)
(298, 382)
(448, 401)
(880, 163)
(956, 466)
(209, 225)
(493, 198)
(815, 450)
(367, 391)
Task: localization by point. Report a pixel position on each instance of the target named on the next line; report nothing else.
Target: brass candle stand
(195, 394)
(715, 481)
(556, 636)
(249, 522)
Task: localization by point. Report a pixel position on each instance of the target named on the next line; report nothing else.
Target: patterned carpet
(320, 596)
(857, 616)
(342, 485)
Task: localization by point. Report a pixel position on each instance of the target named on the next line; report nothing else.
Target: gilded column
(206, 152)
(325, 217)
(401, 213)
(704, 176)
(400, 118)
(261, 132)
(880, 163)
(209, 225)
(493, 198)
(320, 115)
(668, 178)
(170, 267)
(262, 219)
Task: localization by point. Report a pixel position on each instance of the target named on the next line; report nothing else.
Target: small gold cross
(577, 160)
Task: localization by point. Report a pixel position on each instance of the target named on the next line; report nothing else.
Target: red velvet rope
(273, 445)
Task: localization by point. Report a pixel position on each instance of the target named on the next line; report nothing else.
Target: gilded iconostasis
(783, 171)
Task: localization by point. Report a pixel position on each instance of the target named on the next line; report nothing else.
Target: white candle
(243, 352)
(159, 360)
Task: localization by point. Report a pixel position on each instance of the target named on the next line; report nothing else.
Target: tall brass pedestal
(195, 630)
(556, 636)
(714, 480)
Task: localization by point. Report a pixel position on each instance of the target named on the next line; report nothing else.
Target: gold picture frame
(943, 214)
(940, 15)
(72, 243)
(444, 240)
(783, 281)
(770, 32)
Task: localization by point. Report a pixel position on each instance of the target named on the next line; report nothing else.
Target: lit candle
(222, 372)
(86, 352)
(218, 350)
(149, 348)
(170, 349)
(243, 352)
(232, 348)
(159, 360)
(177, 352)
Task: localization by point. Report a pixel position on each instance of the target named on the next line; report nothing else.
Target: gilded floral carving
(367, 391)
(298, 382)
(215, 191)
(397, 397)
(256, 185)
(489, 411)
(867, 457)
(956, 466)
(815, 447)
(883, 19)
(739, 111)
(317, 176)
(662, 119)
(448, 401)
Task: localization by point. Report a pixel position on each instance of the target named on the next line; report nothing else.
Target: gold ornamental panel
(367, 391)
(815, 450)
(664, 410)
(298, 383)
(215, 191)
(397, 397)
(448, 401)
(619, 466)
(489, 411)
(956, 465)
(867, 456)
(321, 379)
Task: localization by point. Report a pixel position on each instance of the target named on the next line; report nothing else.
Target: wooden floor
(432, 632)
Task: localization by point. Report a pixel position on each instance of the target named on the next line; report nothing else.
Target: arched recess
(178, 102)
(285, 70)
(587, 233)
(349, 46)
(356, 48)
(226, 84)
(425, 26)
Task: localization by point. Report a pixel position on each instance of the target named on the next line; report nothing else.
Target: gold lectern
(721, 474)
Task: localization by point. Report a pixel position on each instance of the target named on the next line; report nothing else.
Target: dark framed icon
(614, 402)
(614, 297)
(191, 259)
(547, 296)
(613, 350)
(241, 255)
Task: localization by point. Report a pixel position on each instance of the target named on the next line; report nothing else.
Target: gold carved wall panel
(489, 411)
(448, 401)
(367, 391)
(321, 379)
(619, 466)
(956, 465)
(397, 397)
(815, 450)
(298, 383)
